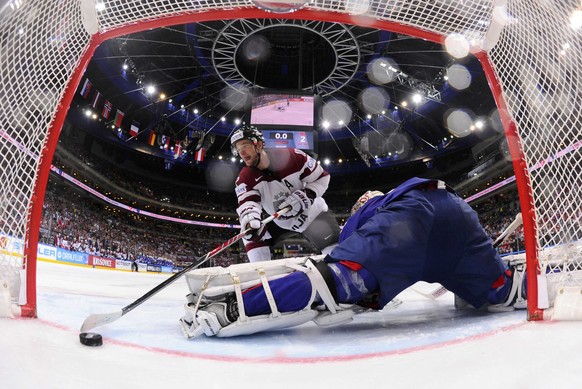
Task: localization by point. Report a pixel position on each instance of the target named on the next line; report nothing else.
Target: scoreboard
(289, 139)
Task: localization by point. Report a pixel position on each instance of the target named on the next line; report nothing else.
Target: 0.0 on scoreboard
(288, 139)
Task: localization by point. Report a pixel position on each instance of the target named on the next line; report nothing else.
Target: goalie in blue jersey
(420, 231)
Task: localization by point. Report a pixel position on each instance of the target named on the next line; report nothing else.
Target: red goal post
(530, 52)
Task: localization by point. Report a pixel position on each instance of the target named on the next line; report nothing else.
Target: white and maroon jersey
(289, 170)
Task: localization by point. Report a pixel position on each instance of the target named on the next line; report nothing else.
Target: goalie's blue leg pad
(292, 293)
(274, 295)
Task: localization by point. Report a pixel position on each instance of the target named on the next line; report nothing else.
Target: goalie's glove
(299, 202)
(250, 217)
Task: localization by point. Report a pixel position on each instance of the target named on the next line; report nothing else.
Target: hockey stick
(97, 319)
(438, 292)
(509, 230)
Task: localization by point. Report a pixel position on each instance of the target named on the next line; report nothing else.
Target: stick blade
(100, 319)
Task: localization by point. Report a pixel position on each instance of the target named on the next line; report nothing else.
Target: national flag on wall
(177, 149)
(86, 88)
(118, 118)
(167, 143)
(106, 109)
(133, 130)
(199, 155)
(96, 99)
(152, 138)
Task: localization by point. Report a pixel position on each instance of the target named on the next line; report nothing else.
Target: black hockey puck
(91, 339)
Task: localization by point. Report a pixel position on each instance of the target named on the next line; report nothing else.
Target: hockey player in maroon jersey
(273, 179)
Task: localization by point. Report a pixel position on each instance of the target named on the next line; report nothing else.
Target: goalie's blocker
(216, 306)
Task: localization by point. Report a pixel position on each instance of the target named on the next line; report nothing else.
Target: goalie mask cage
(529, 49)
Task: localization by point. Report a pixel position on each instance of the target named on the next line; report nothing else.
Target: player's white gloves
(250, 217)
(299, 202)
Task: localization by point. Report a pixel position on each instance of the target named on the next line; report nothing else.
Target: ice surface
(422, 343)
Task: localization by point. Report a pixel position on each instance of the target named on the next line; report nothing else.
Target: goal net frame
(45, 48)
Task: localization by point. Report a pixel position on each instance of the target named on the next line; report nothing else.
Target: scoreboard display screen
(288, 139)
(283, 109)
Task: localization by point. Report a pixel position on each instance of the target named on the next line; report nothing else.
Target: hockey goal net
(530, 50)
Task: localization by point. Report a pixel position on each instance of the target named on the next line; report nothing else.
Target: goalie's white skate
(517, 296)
(210, 318)
(516, 299)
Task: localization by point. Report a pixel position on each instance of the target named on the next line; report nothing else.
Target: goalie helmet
(251, 133)
(364, 199)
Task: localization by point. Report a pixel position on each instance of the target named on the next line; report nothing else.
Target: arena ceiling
(190, 83)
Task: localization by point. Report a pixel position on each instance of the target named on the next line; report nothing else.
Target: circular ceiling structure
(286, 54)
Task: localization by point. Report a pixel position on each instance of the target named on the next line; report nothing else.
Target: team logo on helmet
(364, 199)
(251, 133)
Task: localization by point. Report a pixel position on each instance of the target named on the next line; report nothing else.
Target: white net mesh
(537, 58)
(40, 45)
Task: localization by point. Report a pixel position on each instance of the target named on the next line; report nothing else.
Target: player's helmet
(364, 199)
(251, 133)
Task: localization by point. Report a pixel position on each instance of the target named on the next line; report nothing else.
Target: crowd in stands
(75, 221)
(496, 213)
(149, 186)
